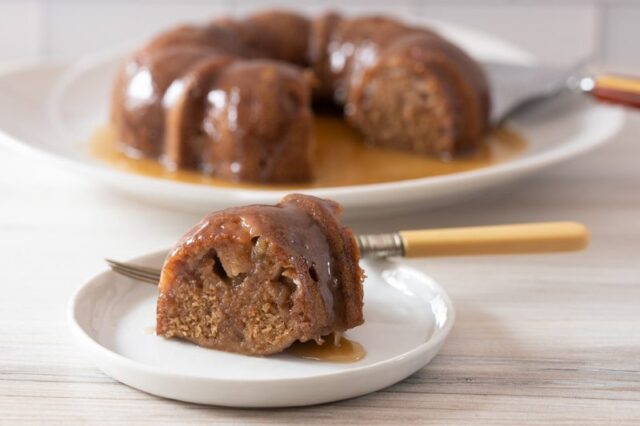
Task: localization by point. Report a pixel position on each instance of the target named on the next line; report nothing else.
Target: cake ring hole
(254, 240)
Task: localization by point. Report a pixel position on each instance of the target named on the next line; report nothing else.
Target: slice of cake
(255, 279)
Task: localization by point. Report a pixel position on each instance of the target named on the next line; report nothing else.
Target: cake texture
(255, 279)
(233, 98)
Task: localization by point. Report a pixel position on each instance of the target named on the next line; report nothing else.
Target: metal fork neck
(380, 245)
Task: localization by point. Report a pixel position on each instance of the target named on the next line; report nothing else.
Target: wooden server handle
(617, 89)
(503, 239)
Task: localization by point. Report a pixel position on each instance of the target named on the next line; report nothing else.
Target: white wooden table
(549, 338)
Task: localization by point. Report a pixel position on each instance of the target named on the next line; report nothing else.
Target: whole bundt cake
(233, 98)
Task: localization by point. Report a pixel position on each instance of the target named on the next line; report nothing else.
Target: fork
(545, 237)
(137, 272)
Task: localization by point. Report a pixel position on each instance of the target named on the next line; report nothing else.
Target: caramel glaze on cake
(232, 98)
(256, 279)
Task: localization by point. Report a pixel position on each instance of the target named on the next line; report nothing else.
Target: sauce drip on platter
(334, 349)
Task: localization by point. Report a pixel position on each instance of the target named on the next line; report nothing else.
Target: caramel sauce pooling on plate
(342, 351)
(342, 159)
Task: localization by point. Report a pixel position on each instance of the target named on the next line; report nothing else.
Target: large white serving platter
(407, 317)
(50, 111)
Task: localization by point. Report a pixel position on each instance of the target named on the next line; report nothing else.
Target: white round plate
(407, 317)
(78, 101)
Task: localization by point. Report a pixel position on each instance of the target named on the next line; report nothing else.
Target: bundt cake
(233, 98)
(255, 279)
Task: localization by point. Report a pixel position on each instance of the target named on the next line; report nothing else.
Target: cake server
(546, 237)
(516, 88)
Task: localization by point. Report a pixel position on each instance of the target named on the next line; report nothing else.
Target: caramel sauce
(343, 351)
(342, 159)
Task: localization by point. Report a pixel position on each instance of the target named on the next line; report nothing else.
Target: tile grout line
(44, 29)
(603, 28)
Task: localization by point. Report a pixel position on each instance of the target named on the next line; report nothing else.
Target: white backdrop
(558, 32)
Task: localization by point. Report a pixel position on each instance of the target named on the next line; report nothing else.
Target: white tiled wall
(77, 28)
(621, 47)
(557, 32)
(562, 32)
(22, 28)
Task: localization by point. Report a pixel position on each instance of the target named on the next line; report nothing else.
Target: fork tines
(142, 273)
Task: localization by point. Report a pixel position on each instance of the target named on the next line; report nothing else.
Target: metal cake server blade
(517, 88)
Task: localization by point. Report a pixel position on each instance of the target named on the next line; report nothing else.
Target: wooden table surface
(538, 339)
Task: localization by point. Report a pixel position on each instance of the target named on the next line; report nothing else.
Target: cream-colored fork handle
(502, 239)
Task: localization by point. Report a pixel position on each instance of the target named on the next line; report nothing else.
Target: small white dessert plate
(407, 318)
(51, 111)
